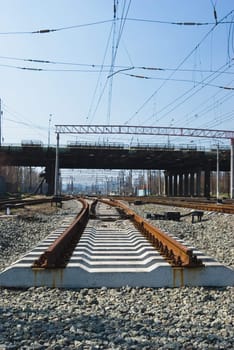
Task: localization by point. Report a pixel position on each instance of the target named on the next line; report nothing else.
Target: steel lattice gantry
(143, 130)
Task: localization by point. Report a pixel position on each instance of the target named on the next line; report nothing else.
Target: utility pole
(49, 130)
(217, 173)
(0, 123)
(56, 177)
(232, 170)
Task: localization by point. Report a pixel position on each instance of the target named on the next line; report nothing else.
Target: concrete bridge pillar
(170, 186)
(198, 183)
(50, 169)
(192, 184)
(186, 184)
(175, 184)
(181, 185)
(165, 184)
(207, 183)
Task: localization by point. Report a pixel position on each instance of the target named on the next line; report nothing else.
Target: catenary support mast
(232, 169)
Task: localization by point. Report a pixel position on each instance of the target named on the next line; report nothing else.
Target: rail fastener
(58, 253)
(174, 252)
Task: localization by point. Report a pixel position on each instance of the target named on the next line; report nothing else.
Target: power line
(115, 47)
(76, 26)
(46, 31)
(112, 59)
(181, 80)
(181, 23)
(17, 121)
(53, 70)
(106, 70)
(230, 47)
(99, 77)
(179, 66)
(203, 83)
(200, 113)
(103, 67)
(101, 95)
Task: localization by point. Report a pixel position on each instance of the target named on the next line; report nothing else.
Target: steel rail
(174, 252)
(17, 203)
(219, 207)
(223, 207)
(58, 253)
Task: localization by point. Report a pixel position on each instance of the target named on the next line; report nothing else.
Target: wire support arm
(143, 130)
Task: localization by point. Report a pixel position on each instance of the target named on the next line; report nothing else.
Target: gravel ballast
(123, 318)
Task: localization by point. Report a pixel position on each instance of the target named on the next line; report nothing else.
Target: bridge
(184, 162)
(182, 166)
(177, 181)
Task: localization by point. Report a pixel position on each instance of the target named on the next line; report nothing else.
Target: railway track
(16, 203)
(227, 208)
(173, 251)
(108, 244)
(222, 206)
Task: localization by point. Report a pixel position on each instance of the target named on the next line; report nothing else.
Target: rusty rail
(61, 249)
(222, 207)
(226, 206)
(174, 252)
(19, 203)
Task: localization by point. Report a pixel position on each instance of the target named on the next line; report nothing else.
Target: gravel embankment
(124, 318)
(19, 234)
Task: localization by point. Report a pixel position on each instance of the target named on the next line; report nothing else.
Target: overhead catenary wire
(115, 9)
(186, 96)
(101, 70)
(212, 124)
(51, 30)
(222, 118)
(115, 46)
(106, 70)
(120, 71)
(39, 66)
(102, 92)
(179, 66)
(94, 67)
(230, 46)
(181, 80)
(82, 25)
(22, 120)
(201, 110)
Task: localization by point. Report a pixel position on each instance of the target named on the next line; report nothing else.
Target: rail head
(56, 254)
(176, 253)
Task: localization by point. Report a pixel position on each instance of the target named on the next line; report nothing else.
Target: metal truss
(143, 130)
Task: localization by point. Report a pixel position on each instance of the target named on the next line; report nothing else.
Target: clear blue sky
(196, 62)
